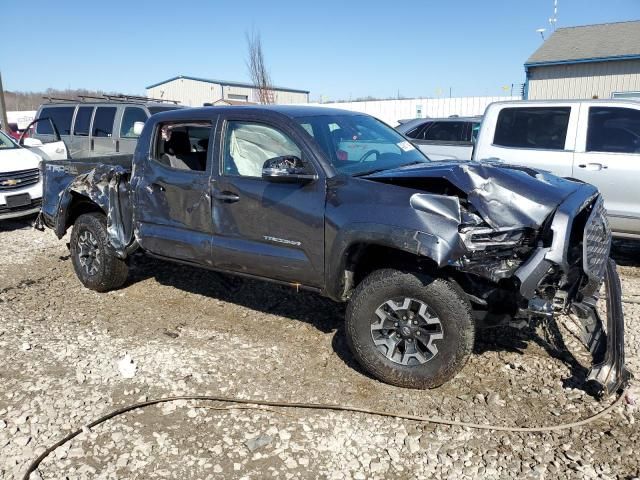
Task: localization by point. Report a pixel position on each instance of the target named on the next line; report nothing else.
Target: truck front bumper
(608, 373)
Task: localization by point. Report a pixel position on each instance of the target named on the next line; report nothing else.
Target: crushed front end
(523, 244)
(558, 269)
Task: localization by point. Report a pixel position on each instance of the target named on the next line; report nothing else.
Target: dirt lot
(195, 332)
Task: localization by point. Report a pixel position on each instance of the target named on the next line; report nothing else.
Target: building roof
(589, 43)
(225, 83)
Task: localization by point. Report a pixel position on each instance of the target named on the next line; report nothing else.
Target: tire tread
(439, 292)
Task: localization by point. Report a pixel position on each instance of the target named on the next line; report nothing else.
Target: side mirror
(31, 142)
(287, 169)
(137, 128)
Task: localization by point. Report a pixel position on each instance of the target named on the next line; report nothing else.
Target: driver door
(53, 149)
(261, 227)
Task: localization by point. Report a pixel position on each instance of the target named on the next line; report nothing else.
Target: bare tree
(257, 68)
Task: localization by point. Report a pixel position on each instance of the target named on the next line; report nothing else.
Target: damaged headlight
(480, 238)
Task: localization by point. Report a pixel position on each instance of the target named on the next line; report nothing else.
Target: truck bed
(58, 175)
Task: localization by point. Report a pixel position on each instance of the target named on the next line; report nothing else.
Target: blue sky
(337, 49)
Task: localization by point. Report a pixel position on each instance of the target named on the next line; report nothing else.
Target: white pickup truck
(596, 141)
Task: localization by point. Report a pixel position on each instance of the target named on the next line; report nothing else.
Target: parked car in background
(13, 131)
(596, 141)
(443, 138)
(20, 182)
(96, 126)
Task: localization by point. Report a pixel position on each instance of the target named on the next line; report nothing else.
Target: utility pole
(3, 108)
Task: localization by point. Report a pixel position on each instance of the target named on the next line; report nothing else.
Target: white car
(20, 182)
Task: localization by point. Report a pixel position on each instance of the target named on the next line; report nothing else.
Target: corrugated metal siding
(584, 80)
(391, 111)
(187, 92)
(194, 93)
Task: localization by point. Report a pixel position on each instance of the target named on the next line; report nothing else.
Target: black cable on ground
(319, 406)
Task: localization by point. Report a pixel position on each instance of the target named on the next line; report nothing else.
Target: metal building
(392, 111)
(591, 61)
(195, 92)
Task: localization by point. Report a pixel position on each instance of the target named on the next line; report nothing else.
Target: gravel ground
(67, 352)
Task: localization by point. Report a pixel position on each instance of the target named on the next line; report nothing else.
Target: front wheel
(409, 329)
(97, 267)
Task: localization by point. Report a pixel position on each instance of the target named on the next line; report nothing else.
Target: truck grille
(596, 242)
(19, 179)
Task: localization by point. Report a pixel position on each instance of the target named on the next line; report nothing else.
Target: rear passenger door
(608, 156)
(534, 136)
(173, 201)
(102, 128)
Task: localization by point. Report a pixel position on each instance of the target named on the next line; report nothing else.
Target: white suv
(20, 182)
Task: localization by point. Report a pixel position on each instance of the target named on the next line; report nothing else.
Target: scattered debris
(260, 441)
(127, 366)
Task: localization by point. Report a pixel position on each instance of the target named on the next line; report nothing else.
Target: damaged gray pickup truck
(339, 203)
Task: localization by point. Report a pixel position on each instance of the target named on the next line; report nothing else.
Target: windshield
(359, 144)
(6, 142)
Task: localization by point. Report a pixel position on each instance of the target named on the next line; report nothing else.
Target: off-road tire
(111, 272)
(441, 296)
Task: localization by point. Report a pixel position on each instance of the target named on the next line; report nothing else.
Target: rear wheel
(409, 329)
(95, 264)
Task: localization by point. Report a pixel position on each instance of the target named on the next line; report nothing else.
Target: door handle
(592, 166)
(59, 150)
(226, 197)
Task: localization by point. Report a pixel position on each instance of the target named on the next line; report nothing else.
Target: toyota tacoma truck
(339, 203)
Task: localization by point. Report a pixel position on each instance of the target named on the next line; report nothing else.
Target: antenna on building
(541, 32)
(554, 18)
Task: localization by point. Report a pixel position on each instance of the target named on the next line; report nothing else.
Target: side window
(83, 121)
(475, 130)
(613, 129)
(61, 117)
(446, 132)
(44, 128)
(130, 116)
(418, 132)
(533, 127)
(103, 121)
(183, 145)
(248, 145)
(309, 128)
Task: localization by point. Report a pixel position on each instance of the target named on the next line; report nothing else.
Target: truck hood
(505, 196)
(14, 159)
